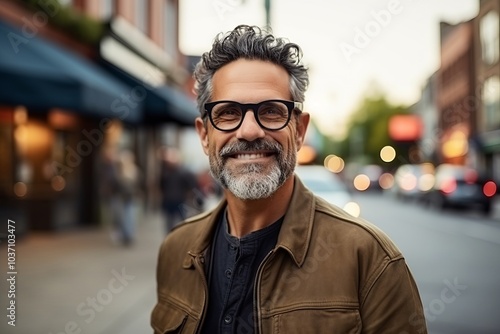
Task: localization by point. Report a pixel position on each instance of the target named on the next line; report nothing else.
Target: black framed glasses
(270, 114)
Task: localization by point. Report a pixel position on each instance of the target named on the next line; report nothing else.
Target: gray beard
(251, 182)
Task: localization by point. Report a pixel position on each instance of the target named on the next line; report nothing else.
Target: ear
(202, 133)
(302, 123)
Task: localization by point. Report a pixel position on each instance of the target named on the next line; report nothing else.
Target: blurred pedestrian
(129, 179)
(179, 189)
(273, 257)
(110, 191)
(210, 189)
(119, 188)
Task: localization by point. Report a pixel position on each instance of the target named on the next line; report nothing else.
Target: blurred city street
(79, 280)
(453, 256)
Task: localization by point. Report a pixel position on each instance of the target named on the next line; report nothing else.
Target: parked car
(412, 181)
(460, 186)
(328, 186)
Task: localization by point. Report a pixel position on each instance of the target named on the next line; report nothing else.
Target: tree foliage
(368, 131)
(79, 25)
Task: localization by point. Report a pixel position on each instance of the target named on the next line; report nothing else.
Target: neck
(247, 216)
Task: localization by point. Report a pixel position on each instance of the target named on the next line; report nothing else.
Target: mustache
(249, 146)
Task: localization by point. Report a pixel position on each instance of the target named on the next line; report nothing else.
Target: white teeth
(250, 156)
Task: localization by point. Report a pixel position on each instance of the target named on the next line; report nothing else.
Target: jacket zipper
(199, 266)
(257, 311)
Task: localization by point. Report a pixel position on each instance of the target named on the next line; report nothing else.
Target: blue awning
(162, 104)
(41, 75)
(168, 104)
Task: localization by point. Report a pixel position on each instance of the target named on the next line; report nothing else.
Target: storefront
(56, 109)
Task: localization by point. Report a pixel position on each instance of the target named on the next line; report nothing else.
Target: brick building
(456, 103)
(487, 68)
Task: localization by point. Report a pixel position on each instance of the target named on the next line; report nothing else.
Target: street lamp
(267, 7)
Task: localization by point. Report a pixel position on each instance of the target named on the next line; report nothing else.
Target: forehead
(246, 80)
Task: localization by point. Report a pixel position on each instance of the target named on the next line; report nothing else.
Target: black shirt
(233, 266)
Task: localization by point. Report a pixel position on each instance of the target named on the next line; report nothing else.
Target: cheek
(215, 145)
(292, 141)
(295, 136)
(298, 141)
(212, 150)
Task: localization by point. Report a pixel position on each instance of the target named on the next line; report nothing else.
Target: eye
(225, 111)
(273, 110)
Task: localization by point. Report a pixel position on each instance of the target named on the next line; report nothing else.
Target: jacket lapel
(296, 231)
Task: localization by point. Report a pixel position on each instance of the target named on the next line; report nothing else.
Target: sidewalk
(71, 281)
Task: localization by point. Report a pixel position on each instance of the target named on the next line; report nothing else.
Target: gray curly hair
(250, 42)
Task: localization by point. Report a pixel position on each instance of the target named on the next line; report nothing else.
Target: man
(272, 257)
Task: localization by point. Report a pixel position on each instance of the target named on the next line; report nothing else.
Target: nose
(250, 130)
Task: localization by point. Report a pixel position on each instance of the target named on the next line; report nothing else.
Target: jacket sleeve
(391, 304)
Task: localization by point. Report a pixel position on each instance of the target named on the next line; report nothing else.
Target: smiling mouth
(250, 156)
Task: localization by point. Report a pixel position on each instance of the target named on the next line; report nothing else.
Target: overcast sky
(349, 46)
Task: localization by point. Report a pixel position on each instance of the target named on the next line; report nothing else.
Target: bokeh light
(334, 163)
(386, 181)
(20, 189)
(361, 182)
(58, 183)
(387, 153)
(489, 189)
(456, 146)
(428, 168)
(408, 182)
(353, 209)
(426, 182)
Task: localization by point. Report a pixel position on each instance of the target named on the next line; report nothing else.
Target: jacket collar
(294, 236)
(296, 230)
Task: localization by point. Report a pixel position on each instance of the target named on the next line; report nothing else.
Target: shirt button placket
(228, 319)
(228, 273)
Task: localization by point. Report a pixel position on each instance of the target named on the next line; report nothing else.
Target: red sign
(405, 127)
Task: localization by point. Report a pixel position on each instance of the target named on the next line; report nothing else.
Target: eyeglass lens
(271, 114)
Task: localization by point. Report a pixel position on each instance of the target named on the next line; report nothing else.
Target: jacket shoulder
(193, 220)
(186, 232)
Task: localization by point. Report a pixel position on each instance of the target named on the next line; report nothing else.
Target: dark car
(460, 186)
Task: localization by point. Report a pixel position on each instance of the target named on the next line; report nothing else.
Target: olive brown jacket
(328, 273)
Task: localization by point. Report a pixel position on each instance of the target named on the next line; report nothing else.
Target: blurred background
(95, 95)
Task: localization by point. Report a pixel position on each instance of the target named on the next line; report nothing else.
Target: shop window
(491, 103)
(490, 40)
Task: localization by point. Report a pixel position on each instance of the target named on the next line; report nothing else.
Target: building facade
(456, 103)
(487, 67)
(120, 60)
